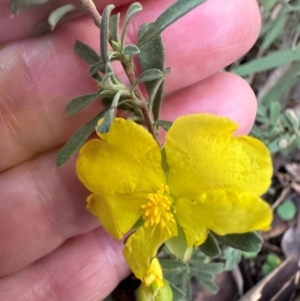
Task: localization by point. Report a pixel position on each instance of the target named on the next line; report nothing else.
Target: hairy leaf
(104, 32)
(210, 247)
(109, 116)
(86, 53)
(133, 9)
(57, 15)
(169, 16)
(78, 103)
(248, 242)
(164, 124)
(130, 50)
(77, 140)
(147, 76)
(114, 27)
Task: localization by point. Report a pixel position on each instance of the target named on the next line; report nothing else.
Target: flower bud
(144, 293)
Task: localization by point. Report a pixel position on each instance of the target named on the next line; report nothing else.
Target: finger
(238, 103)
(41, 206)
(33, 117)
(87, 267)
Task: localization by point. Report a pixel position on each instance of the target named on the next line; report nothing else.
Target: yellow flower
(203, 179)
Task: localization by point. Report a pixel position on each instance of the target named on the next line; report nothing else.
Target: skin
(51, 247)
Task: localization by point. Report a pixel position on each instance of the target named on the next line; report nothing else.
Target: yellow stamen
(158, 210)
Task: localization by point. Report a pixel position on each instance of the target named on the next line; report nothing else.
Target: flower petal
(117, 213)
(142, 246)
(223, 212)
(203, 155)
(123, 161)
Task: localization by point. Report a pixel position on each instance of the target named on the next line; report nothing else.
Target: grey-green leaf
(17, 6)
(169, 16)
(86, 53)
(104, 32)
(248, 242)
(104, 127)
(130, 50)
(78, 103)
(148, 75)
(95, 68)
(272, 60)
(57, 15)
(164, 124)
(133, 9)
(210, 247)
(114, 22)
(77, 140)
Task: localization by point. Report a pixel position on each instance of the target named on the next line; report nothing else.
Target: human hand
(51, 248)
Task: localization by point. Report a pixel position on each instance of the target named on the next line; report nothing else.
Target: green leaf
(95, 68)
(86, 53)
(210, 247)
(248, 242)
(275, 109)
(77, 140)
(57, 15)
(78, 103)
(270, 61)
(133, 9)
(275, 31)
(177, 245)
(283, 85)
(233, 257)
(18, 6)
(287, 210)
(109, 116)
(164, 124)
(114, 22)
(130, 50)
(104, 32)
(169, 16)
(146, 76)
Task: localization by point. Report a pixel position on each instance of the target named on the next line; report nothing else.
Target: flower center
(158, 209)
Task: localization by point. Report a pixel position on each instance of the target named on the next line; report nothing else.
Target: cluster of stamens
(158, 210)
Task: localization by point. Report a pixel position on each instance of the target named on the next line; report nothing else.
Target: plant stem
(90, 7)
(142, 102)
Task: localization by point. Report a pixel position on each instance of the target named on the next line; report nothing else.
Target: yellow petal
(123, 161)
(203, 155)
(142, 246)
(117, 213)
(223, 212)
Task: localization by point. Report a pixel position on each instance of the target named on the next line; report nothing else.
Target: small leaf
(133, 9)
(95, 68)
(210, 286)
(77, 140)
(104, 127)
(233, 257)
(130, 50)
(248, 242)
(169, 16)
(56, 16)
(104, 32)
(17, 6)
(164, 124)
(86, 53)
(210, 247)
(147, 76)
(287, 210)
(114, 22)
(76, 104)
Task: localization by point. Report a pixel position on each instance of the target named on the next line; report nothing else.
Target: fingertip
(224, 94)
